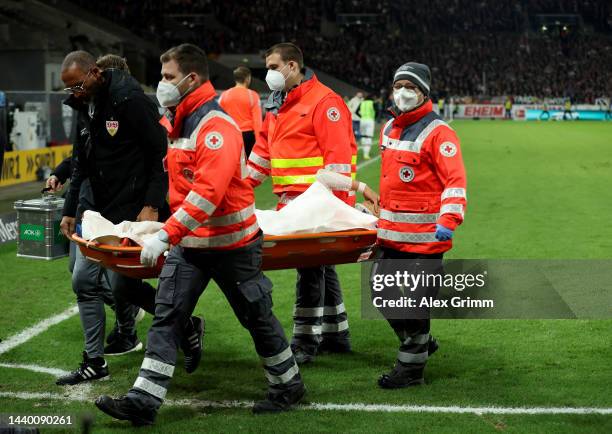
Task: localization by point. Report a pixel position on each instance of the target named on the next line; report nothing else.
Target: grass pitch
(535, 190)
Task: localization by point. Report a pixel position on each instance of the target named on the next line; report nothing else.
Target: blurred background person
(243, 105)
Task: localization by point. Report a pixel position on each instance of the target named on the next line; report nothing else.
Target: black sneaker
(277, 402)
(334, 346)
(432, 346)
(301, 356)
(88, 370)
(193, 344)
(123, 344)
(401, 377)
(139, 314)
(124, 409)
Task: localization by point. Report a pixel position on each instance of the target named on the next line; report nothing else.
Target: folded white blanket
(315, 210)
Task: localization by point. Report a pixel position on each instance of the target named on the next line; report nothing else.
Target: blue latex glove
(443, 234)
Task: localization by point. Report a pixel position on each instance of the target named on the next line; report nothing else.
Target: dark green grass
(535, 191)
(187, 420)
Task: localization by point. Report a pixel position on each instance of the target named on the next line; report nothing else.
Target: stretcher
(279, 252)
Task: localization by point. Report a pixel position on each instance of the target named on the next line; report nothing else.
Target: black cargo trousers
(412, 326)
(319, 313)
(182, 281)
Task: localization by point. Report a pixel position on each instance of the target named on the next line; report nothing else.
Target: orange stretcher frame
(279, 252)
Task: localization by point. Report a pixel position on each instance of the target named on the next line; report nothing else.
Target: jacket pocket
(417, 206)
(181, 164)
(254, 290)
(183, 157)
(408, 158)
(257, 297)
(167, 285)
(410, 201)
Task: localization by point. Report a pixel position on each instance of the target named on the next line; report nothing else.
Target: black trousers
(182, 281)
(248, 137)
(319, 311)
(413, 333)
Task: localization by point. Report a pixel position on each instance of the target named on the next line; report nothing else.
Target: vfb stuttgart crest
(112, 127)
(406, 174)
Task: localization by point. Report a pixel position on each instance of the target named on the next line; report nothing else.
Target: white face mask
(405, 99)
(276, 79)
(168, 94)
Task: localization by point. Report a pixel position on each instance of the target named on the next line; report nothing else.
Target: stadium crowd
(471, 50)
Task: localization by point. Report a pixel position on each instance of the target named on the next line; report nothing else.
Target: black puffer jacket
(123, 155)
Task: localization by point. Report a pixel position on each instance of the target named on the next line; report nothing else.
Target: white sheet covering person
(325, 213)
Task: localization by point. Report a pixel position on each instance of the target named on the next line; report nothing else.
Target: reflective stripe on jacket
(310, 130)
(211, 200)
(422, 182)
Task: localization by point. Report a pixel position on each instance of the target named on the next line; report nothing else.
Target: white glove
(334, 180)
(153, 247)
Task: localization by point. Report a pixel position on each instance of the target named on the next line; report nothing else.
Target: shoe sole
(136, 348)
(120, 416)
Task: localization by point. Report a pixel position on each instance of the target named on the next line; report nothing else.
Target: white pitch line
(44, 325)
(368, 162)
(36, 329)
(195, 403)
(457, 409)
(35, 368)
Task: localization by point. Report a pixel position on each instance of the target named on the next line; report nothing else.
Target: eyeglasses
(79, 88)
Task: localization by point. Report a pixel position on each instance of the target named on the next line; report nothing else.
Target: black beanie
(417, 73)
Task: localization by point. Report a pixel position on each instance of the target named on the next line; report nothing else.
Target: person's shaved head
(81, 59)
(81, 76)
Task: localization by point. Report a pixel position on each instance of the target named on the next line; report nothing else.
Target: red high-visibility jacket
(422, 182)
(213, 205)
(311, 130)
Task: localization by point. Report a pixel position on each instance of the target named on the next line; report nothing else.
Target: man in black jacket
(122, 160)
(91, 274)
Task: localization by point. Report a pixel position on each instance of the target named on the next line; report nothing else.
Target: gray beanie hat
(417, 73)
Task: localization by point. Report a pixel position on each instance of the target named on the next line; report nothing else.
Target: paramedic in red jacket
(307, 127)
(212, 235)
(422, 201)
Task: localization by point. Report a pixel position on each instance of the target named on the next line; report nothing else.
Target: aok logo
(32, 232)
